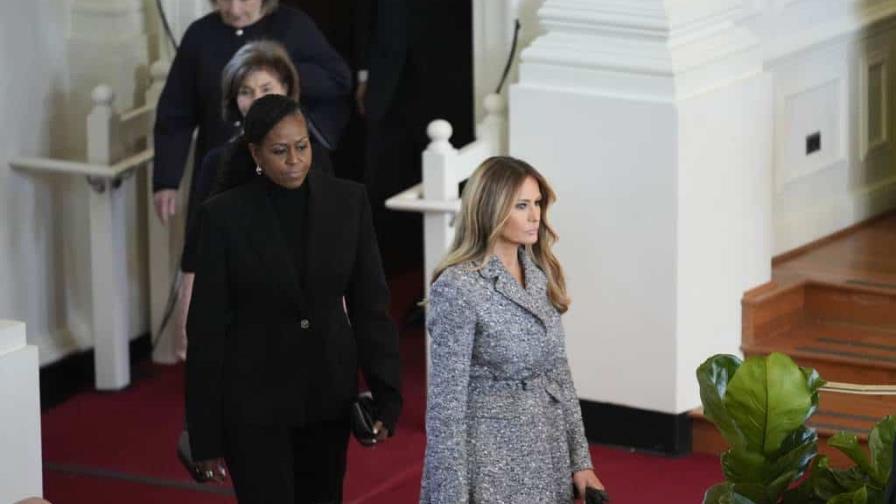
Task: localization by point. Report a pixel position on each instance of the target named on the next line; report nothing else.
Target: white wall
(832, 62)
(44, 257)
(32, 84)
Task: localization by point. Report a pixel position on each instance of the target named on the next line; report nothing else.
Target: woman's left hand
(584, 479)
(381, 431)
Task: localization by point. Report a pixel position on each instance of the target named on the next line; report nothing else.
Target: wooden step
(770, 312)
(839, 351)
(831, 306)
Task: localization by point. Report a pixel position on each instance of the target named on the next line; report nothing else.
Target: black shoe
(186, 459)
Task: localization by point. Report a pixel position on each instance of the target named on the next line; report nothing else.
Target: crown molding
(645, 49)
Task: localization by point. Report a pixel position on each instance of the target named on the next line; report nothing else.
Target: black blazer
(264, 350)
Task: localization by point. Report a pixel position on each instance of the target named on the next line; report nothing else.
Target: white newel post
(652, 119)
(163, 262)
(108, 255)
(20, 443)
(439, 184)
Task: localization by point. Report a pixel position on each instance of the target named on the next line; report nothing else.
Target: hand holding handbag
(593, 495)
(363, 418)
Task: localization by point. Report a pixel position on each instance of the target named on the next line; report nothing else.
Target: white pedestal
(20, 444)
(653, 122)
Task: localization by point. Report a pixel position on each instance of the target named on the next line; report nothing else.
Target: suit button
(304, 324)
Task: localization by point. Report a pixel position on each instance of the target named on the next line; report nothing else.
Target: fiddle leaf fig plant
(863, 483)
(760, 406)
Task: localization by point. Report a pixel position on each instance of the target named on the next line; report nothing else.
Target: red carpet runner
(118, 448)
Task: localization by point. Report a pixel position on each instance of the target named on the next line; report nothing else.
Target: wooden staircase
(832, 307)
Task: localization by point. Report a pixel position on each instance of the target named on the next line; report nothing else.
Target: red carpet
(119, 448)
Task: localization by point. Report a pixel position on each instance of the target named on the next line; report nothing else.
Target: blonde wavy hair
(485, 206)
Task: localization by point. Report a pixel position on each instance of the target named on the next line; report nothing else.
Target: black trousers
(282, 464)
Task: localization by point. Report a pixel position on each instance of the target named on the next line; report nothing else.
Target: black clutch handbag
(593, 495)
(363, 417)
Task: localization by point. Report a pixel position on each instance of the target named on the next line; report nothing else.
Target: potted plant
(760, 407)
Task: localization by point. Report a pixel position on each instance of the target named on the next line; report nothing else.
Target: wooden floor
(831, 306)
(865, 256)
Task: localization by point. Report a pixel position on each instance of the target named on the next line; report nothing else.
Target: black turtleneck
(291, 208)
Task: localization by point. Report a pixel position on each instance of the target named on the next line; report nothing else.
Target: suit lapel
(268, 242)
(321, 211)
(531, 298)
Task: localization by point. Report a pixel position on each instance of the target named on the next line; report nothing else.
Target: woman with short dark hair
(274, 353)
(259, 68)
(192, 94)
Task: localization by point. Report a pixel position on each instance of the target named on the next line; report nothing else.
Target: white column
(20, 444)
(652, 120)
(108, 268)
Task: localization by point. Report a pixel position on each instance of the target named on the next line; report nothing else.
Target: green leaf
(754, 492)
(880, 442)
(713, 376)
(740, 465)
(767, 399)
(723, 493)
(859, 496)
(821, 483)
(797, 452)
(848, 443)
(801, 446)
(814, 382)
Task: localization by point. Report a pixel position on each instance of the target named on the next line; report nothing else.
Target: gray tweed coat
(503, 422)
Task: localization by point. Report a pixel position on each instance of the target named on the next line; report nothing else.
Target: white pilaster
(20, 444)
(652, 120)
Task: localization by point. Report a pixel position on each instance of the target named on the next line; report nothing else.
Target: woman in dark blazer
(274, 353)
(192, 94)
(257, 69)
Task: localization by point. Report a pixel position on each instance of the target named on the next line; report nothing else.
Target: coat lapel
(268, 241)
(322, 236)
(532, 298)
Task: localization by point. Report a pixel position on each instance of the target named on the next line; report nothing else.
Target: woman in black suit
(274, 353)
(258, 68)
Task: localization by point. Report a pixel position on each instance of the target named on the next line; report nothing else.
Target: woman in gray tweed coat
(503, 422)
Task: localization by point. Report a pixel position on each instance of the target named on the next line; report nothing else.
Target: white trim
(872, 58)
(646, 50)
(831, 32)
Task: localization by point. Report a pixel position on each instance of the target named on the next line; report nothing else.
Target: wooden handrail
(117, 170)
(859, 389)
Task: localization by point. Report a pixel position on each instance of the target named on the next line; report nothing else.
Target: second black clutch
(363, 417)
